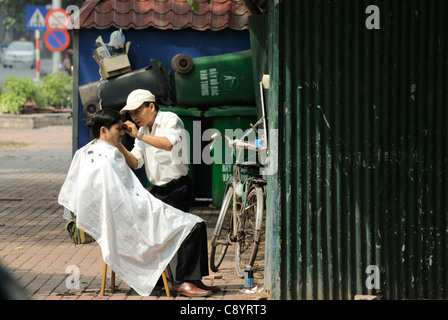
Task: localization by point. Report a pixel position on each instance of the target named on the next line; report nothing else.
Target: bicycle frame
(244, 196)
(236, 180)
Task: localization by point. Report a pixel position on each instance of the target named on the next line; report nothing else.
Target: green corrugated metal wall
(362, 150)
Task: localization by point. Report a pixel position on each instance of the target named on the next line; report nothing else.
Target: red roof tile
(164, 14)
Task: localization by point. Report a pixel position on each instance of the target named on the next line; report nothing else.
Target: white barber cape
(138, 234)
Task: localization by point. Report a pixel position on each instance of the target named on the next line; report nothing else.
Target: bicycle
(242, 212)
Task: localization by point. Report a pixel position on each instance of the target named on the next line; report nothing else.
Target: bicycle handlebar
(238, 144)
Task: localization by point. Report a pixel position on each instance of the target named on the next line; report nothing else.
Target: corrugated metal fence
(363, 149)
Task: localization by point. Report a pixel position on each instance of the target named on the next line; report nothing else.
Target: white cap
(136, 99)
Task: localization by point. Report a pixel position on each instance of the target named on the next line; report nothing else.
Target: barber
(159, 132)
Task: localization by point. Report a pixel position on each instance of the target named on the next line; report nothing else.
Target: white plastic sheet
(138, 234)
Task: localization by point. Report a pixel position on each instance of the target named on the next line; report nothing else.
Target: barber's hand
(130, 128)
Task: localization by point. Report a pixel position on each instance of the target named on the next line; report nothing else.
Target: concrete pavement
(34, 245)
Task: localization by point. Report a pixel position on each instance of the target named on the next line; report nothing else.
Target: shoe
(190, 290)
(201, 285)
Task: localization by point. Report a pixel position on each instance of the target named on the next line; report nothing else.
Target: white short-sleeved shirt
(162, 166)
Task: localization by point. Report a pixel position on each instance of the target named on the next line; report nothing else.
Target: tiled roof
(164, 14)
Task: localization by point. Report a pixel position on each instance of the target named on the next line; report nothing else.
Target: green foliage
(25, 87)
(55, 90)
(11, 103)
(16, 92)
(195, 5)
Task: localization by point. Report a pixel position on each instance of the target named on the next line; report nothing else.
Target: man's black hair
(147, 103)
(106, 117)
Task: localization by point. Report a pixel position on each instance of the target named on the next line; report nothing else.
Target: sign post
(35, 20)
(57, 38)
(37, 36)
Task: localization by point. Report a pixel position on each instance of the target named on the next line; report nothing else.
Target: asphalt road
(46, 66)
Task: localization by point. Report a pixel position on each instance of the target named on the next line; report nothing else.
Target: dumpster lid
(226, 111)
(182, 111)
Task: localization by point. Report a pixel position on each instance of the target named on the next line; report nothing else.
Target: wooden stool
(112, 280)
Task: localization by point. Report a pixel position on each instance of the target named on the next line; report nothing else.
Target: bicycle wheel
(223, 230)
(250, 231)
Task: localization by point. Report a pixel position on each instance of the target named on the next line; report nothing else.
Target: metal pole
(56, 55)
(37, 36)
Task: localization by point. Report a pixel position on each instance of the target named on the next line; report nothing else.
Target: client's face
(114, 134)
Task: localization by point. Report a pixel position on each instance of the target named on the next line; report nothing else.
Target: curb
(35, 121)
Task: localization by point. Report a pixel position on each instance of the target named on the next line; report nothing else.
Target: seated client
(138, 234)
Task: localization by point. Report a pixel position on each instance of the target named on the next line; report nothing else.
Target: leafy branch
(195, 5)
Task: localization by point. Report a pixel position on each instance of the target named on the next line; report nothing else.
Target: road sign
(57, 19)
(57, 39)
(35, 17)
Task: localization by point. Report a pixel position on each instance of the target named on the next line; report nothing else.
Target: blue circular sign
(57, 39)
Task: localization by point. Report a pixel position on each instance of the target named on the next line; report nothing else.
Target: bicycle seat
(259, 181)
(249, 166)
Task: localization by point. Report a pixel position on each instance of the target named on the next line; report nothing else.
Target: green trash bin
(225, 79)
(234, 120)
(196, 172)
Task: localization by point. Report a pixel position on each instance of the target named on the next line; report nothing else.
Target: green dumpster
(198, 173)
(225, 79)
(233, 121)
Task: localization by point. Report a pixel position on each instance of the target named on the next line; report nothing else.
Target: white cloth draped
(138, 234)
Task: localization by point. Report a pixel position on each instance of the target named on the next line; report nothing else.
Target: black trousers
(192, 256)
(178, 194)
